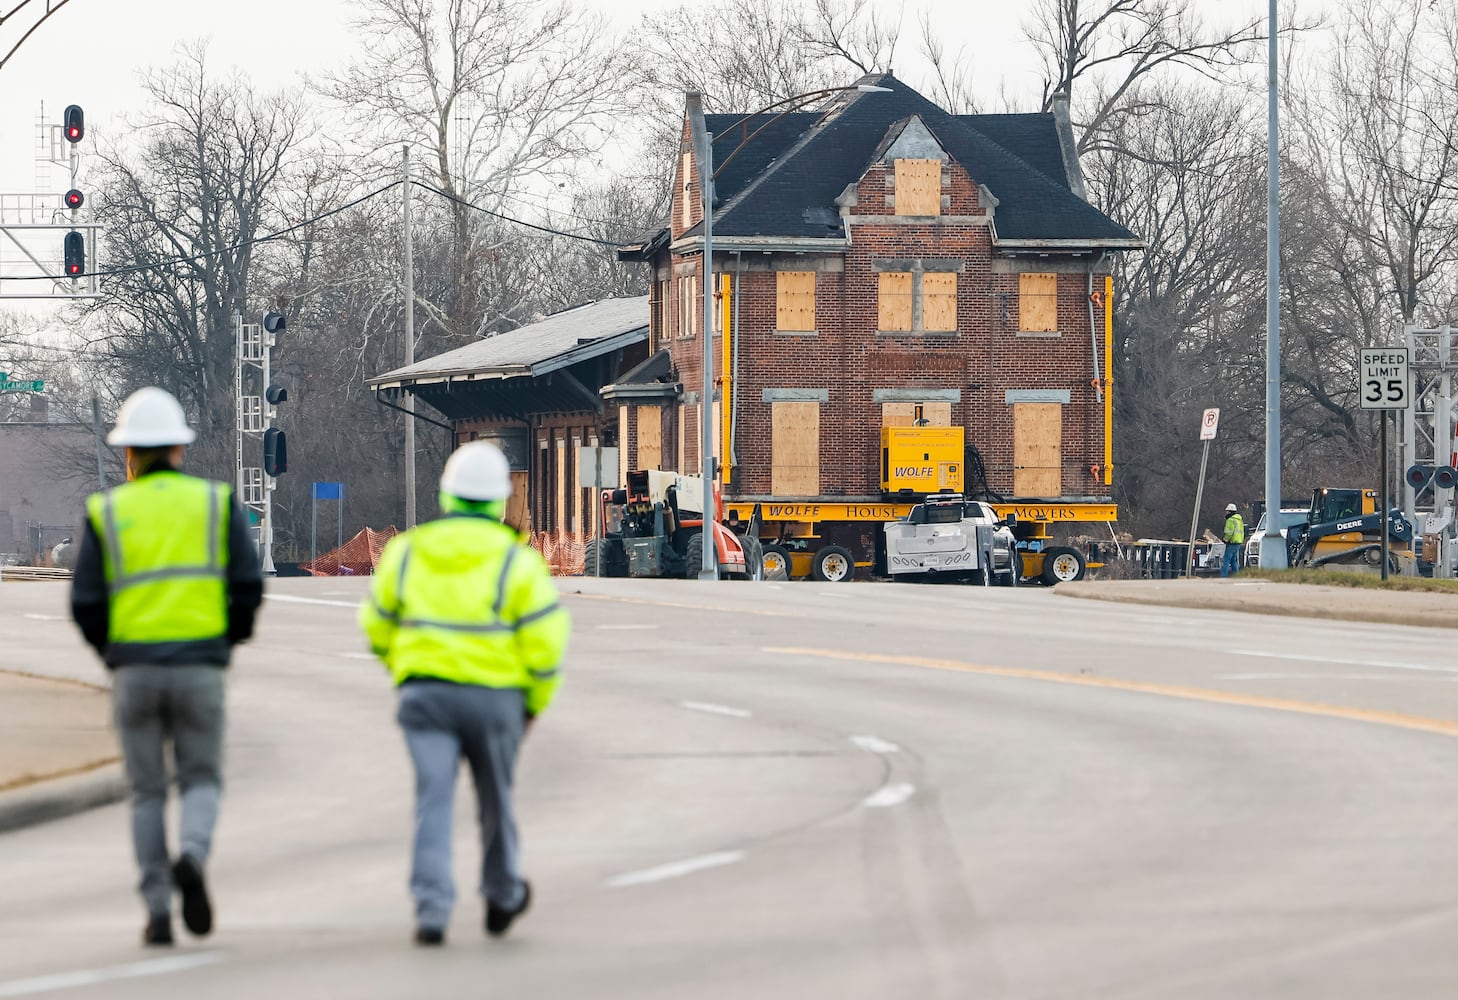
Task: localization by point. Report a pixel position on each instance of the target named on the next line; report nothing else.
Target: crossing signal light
(1418, 476)
(274, 322)
(276, 394)
(75, 124)
(1445, 478)
(75, 199)
(75, 254)
(275, 452)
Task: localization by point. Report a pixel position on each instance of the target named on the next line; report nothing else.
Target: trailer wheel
(774, 562)
(1062, 565)
(833, 564)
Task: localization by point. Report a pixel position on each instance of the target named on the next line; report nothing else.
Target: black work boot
(158, 932)
(429, 937)
(499, 918)
(197, 911)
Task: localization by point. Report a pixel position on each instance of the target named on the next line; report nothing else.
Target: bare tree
(184, 207)
(500, 94)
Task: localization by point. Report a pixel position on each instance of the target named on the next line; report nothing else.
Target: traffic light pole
(409, 401)
(265, 534)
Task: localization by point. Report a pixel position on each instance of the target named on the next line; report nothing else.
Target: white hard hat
(477, 471)
(1230, 508)
(151, 418)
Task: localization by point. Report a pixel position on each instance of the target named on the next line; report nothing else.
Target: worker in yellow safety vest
(1234, 538)
(166, 583)
(466, 618)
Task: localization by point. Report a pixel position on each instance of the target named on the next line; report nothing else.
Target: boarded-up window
(795, 300)
(939, 301)
(561, 518)
(893, 301)
(918, 187)
(689, 305)
(685, 210)
(650, 437)
(795, 446)
(721, 302)
(936, 414)
(1038, 450)
(1038, 303)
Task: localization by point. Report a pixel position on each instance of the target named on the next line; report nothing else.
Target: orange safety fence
(564, 551)
(357, 557)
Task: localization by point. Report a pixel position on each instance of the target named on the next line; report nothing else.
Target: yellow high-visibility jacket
(1235, 529)
(462, 599)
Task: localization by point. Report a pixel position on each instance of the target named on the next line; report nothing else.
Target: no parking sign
(1208, 424)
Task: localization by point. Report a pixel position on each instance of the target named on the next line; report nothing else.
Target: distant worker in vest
(467, 619)
(1234, 540)
(166, 583)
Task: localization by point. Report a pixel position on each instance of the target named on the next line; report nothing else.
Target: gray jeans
(183, 705)
(443, 723)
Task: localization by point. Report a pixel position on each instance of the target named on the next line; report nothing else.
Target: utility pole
(704, 153)
(409, 400)
(1273, 546)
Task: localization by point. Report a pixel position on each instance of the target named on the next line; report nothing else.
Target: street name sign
(27, 385)
(1384, 381)
(1209, 423)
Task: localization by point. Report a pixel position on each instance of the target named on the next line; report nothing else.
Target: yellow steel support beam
(1108, 380)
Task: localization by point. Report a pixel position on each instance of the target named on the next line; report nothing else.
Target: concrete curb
(1345, 604)
(57, 798)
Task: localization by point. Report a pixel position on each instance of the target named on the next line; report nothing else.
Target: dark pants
(443, 723)
(1231, 562)
(153, 706)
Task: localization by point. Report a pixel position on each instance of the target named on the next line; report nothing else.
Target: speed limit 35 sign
(1383, 379)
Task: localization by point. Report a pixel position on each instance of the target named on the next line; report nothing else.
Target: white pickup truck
(949, 536)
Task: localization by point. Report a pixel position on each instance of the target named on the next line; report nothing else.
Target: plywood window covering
(685, 194)
(650, 438)
(936, 414)
(689, 305)
(918, 187)
(1038, 450)
(577, 505)
(559, 522)
(623, 440)
(1038, 303)
(893, 301)
(518, 505)
(795, 449)
(795, 301)
(687, 417)
(939, 301)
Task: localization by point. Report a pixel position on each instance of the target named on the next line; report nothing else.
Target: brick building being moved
(879, 261)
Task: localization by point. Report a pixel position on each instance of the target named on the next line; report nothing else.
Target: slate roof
(794, 194)
(559, 340)
(747, 160)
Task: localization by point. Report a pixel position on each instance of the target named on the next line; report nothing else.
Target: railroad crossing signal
(75, 124)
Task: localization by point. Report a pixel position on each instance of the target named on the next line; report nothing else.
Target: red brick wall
(983, 359)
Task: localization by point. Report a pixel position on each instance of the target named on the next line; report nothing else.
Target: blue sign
(328, 491)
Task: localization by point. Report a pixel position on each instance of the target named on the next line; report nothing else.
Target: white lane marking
(336, 593)
(359, 656)
(44, 618)
(626, 628)
(1312, 677)
(712, 709)
(1318, 658)
(291, 599)
(107, 974)
(674, 869)
(874, 744)
(888, 796)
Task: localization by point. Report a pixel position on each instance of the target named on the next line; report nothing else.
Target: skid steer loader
(1344, 531)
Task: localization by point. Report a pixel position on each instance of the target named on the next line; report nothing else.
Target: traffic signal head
(1445, 478)
(1418, 476)
(75, 124)
(276, 394)
(75, 247)
(274, 322)
(275, 452)
(75, 199)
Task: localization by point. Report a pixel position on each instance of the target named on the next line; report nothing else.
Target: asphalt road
(804, 790)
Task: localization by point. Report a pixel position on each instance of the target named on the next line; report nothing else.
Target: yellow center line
(1399, 720)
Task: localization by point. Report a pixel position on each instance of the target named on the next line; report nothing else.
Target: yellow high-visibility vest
(164, 543)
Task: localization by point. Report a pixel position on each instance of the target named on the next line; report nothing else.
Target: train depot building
(877, 263)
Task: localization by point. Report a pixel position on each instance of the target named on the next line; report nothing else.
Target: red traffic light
(75, 250)
(74, 198)
(75, 123)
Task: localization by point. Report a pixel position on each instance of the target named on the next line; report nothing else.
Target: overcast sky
(92, 51)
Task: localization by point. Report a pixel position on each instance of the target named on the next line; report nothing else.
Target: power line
(153, 265)
(519, 222)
